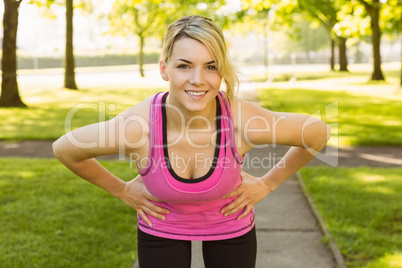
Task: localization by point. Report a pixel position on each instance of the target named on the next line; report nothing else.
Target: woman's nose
(197, 77)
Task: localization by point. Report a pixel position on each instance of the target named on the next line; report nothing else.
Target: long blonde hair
(208, 33)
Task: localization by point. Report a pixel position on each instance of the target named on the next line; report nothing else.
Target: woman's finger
(155, 208)
(245, 212)
(232, 205)
(144, 217)
(154, 214)
(236, 209)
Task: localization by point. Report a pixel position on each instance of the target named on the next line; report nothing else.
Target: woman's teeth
(196, 93)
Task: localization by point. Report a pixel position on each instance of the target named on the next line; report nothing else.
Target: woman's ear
(162, 70)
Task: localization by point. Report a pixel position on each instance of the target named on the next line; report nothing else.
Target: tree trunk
(376, 40)
(9, 87)
(332, 59)
(69, 64)
(343, 60)
(141, 55)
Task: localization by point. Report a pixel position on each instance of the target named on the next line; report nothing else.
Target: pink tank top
(194, 204)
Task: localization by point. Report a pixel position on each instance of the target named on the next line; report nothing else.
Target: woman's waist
(201, 219)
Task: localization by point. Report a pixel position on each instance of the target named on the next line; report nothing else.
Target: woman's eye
(183, 66)
(212, 68)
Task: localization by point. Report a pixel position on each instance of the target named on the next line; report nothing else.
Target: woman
(189, 145)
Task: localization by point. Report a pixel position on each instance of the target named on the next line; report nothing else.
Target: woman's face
(194, 80)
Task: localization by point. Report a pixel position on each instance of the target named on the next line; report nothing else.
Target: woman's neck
(179, 117)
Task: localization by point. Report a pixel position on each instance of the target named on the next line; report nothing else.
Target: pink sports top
(194, 204)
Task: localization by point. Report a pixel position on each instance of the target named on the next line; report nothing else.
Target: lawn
(45, 118)
(357, 119)
(52, 218)
(361, 208)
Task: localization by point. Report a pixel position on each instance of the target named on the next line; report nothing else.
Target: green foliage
(304, 36)
(391, 17)
(362, 119)
(151, 18)
(52, 218)
(354, 17)
(45, 6)
(138, 17)
(254, 17)
(361, 209)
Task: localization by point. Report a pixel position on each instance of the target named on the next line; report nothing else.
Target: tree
(149, 18)
(9, 87)
(322, 11)
(373, 11)
(141, 17)
(254, 16)
(325, 12)
(69, 61)
(305, 36)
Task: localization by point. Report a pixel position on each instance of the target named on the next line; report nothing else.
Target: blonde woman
(189, 144)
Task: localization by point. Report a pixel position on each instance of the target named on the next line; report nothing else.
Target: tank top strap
(154, 115)
(227, 116)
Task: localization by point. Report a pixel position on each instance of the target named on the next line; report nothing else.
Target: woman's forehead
(191, 50)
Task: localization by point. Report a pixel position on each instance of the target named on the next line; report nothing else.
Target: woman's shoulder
(135, 120)
(140, 109)
(245, 109)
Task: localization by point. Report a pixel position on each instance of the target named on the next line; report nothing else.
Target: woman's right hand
(137, 196)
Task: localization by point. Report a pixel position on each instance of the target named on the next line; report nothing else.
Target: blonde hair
(208, 33)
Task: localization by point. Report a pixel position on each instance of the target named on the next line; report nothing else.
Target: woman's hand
(137, 196)
(250, 192)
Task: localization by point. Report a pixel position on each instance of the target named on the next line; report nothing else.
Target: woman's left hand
(250, 192)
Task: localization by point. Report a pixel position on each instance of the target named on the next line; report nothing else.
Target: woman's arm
(77, 151)
(307, 136)
(127, 133)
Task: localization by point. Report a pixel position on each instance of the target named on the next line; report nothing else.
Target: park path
(289, 231)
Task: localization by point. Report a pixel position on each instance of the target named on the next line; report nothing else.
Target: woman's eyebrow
(189, 62)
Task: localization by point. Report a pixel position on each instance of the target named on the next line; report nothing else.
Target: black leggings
(157, 252)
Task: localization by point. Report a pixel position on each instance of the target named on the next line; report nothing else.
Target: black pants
(157, 252)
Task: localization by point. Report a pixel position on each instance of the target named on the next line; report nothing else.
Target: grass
(48, 111)
(361, 208)
(355, 119)
(51, 218)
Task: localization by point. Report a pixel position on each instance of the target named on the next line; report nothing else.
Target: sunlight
(371, 178)
(26, 174)
(388, 261)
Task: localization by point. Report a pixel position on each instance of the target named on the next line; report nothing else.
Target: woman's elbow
(56, 148)
(317, 136)
(323, 135)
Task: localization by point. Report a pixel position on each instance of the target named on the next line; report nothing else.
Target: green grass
(361, 208)
(356, 119)
(52, 218)
(45, 118)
